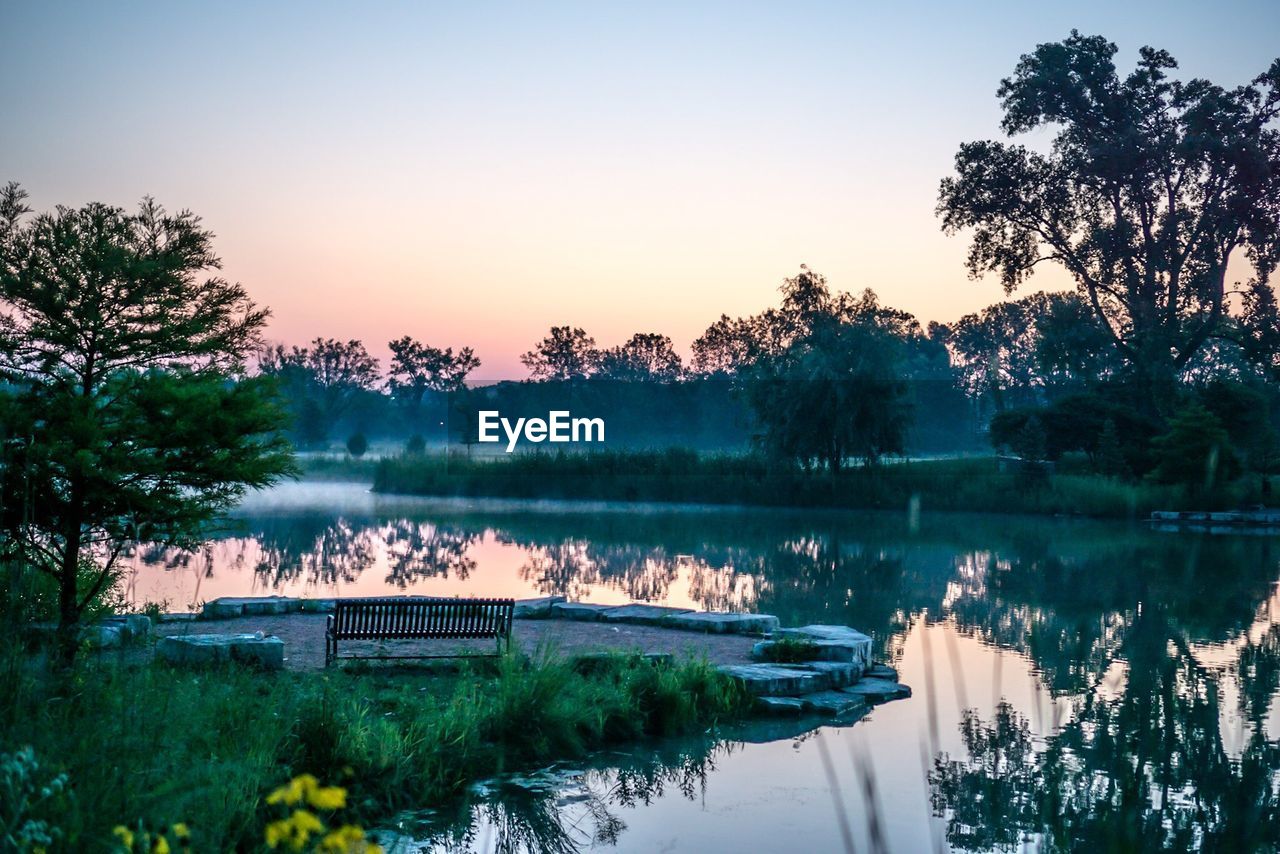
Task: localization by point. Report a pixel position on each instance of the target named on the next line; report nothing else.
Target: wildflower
(327, 798)
(125, 835)
(160, 846)
(344, 840)
(294, 791)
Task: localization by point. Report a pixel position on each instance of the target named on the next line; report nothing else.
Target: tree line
(138, 401)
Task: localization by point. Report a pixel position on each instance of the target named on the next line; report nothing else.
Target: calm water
(1123, 677)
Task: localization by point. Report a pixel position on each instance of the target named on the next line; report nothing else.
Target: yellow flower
(181, 831)
(125, 835)
(328, 798)
(344, 840)
(277, 832)
(295, 791)
(160, 846)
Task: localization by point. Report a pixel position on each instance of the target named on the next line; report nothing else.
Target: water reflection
(1077, 684)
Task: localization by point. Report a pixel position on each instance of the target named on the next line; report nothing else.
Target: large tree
(417, 369)
(1150, 188)
(646, 357)
(324, 381)
(567, 353)
(122, 418)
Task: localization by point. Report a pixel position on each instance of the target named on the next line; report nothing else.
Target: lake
(1124, 677)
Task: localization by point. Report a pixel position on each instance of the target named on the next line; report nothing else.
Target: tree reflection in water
(565, 812)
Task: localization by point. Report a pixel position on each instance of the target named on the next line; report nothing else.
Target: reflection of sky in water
(1113, 645)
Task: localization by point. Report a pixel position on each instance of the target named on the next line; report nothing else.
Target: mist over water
(1045, 656)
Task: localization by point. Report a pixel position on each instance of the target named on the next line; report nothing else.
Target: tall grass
(970, 484)
(142, 741)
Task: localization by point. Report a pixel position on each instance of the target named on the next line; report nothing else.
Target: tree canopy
(118, 346)
(1150, 188)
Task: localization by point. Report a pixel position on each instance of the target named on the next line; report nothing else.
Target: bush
(357, 445)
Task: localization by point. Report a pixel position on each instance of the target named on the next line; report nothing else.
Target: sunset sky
(471, 174)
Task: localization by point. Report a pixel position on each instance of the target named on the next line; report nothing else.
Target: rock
(210, 649)
(317, 606)
(133, 628)
(838, 673)
(878, 690)
(835, 703)
(237, 606)
(178, 617)
(578, 611)
(774, 679)
(533, 609)
(779, 706)
(102, 636)
(881, 671)
(720, 622)
(642, 615)
(836, 643)
(222, 609)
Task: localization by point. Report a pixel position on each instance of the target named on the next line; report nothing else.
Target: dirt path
(303, 636)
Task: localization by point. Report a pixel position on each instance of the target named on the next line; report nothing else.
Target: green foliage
(973, 484)
(791, 651)
(1196, 451)
(357, 445)
(416, 445)
(1129, 199)
(321, 383)
(118, 349)
(396, 738)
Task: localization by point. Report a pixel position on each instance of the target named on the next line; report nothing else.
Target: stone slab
(881, 671)
(775, 679)
(539, 608)
(878, 690)
(227, 607)
(721, 622)
(317, 606)
(578, 611)
(178, 617)
(211, 649)
(820, 650)
(836, 703)
(780, 706)
(642, 615)
(835, 639)
(838, 673)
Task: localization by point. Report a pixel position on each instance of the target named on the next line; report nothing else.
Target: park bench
(417, 618)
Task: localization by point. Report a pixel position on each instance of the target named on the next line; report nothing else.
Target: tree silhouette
(117, 345)
(1151, 187)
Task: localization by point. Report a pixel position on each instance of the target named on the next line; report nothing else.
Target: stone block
(878, 690)
(779, 706)
(317, 606)
(836, 703)
(837, 643)
(719, 622)
(535, 609)
(102, 636)
(775, 679)
(838, 673)
(642, 615)
(210, 649)
(578, 611)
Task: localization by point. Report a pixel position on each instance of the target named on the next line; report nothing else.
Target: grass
(140, 741)
(978, 484)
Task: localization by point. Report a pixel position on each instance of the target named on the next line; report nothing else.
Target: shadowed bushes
(142, 741)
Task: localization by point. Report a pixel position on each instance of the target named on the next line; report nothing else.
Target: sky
(473, 173)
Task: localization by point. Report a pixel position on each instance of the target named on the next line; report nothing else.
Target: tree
(417, 369)
(123, 424)
(1150, 188)
(357, 445)
(567, 353)
(1196, 451)
(647, 357)
(323, 381)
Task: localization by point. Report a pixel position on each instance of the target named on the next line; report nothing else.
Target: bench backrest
(418, 617)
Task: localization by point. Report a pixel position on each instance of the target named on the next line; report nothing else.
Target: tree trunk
(69, 610)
